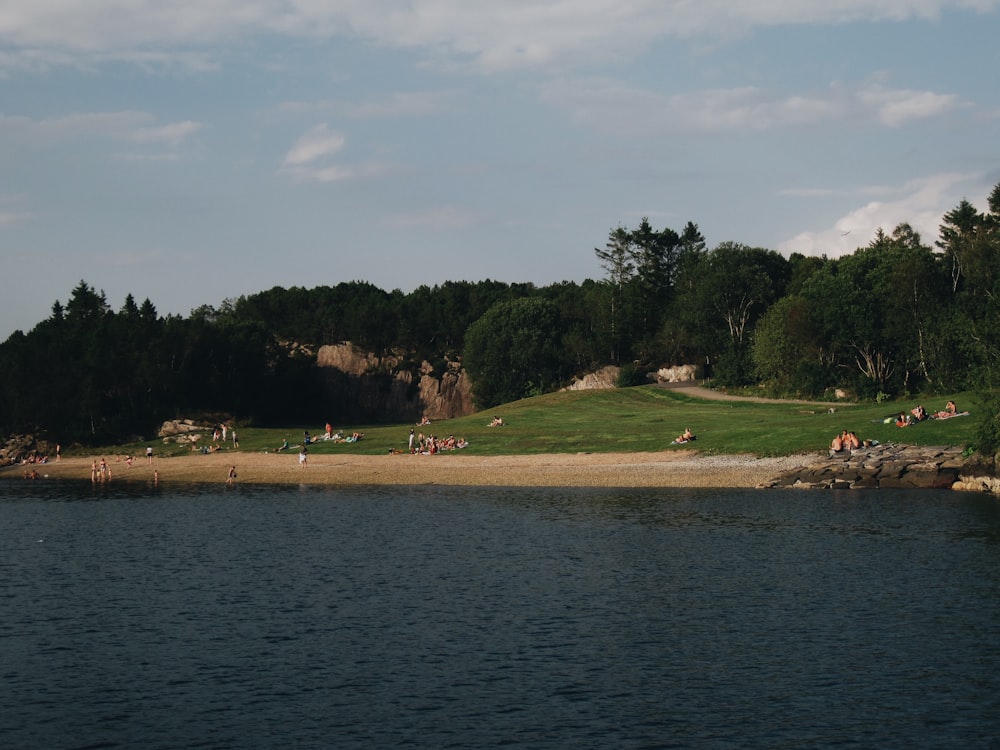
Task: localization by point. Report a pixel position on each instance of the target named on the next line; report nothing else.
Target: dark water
(266, 617)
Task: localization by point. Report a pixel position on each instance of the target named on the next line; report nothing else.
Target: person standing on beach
(232, 475)
(302, 456)
(149, 454)
(413, 439)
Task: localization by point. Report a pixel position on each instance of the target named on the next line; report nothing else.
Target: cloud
(10, 217)
(896, 107)
(920, 203)
(599, 103)
(490, 36)
(138, 127)
(335, 172)
(318, 142)
(172, 133)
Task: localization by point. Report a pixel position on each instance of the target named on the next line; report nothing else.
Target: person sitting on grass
(685, 437)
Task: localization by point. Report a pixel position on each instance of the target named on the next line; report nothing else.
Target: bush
(987, 433)
(630, 375)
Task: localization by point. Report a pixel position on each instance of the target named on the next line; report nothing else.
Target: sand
(661, 469)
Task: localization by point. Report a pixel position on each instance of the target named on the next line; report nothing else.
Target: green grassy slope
(644, 418)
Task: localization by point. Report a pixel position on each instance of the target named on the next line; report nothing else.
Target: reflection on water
(136, 616)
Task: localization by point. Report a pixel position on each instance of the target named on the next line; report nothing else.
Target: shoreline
(656, 469)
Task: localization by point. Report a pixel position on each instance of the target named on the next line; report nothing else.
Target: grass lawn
(644, 418)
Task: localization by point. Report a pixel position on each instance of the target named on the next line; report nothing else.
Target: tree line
(896, 316)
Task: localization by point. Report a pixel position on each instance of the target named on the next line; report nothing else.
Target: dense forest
(897, 316)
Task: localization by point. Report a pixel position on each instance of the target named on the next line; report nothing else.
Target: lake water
(305, 617)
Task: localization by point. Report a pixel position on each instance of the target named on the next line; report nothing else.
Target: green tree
(722, 294)
(618, 261)
(515, 350)
(957, 238)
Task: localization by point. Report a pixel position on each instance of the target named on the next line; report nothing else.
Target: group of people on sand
(328, 435)
(431, 444)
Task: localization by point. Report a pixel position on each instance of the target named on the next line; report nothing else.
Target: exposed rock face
(21, 447)
(603, 379)
(678, 374)
(363, 385)
(882, 466)
(347, 359)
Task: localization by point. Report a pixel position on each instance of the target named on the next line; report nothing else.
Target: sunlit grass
(645, 418)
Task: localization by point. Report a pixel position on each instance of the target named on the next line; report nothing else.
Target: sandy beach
(661, 469)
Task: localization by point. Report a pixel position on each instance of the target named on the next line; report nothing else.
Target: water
(260, 617)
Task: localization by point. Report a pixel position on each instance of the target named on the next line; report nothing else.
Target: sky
(192, 151)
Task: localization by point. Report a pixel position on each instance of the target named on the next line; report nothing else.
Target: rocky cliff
(363, 386)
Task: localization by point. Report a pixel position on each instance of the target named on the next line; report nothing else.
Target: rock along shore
(891, 466)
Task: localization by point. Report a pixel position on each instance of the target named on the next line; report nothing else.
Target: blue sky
(190, 151)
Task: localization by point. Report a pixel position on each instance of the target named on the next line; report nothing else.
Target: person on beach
(232, 475)
(412, 440)
(149, 454)
(302, 456)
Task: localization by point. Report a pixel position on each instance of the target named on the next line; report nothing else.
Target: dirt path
(692, 388)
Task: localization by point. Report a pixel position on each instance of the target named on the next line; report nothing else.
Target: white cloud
(172, 133)
(920, 203)
(317, 143)
(600, 104)
(334, 172)
(10, 217)
(897, 107)
(493, 36)
(138, 127)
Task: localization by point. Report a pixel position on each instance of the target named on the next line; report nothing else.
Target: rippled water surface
(260, 617)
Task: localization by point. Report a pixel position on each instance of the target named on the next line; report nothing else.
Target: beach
(656, 469)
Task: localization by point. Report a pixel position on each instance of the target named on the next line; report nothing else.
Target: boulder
(175, 427)
(678, 374)
(603, 379)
